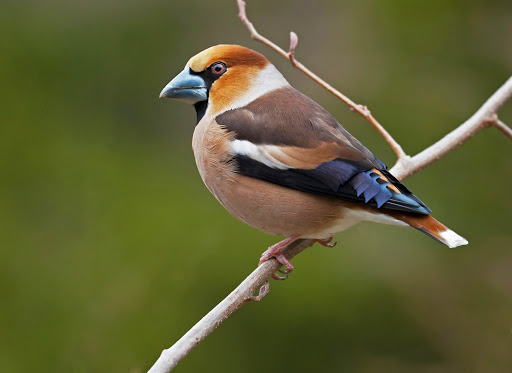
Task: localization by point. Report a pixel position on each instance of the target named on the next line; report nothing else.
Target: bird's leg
(327, 243)
(276, 251)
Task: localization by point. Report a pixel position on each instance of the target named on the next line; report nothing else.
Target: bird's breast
(210, 143)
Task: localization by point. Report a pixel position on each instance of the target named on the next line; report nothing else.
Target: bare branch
(406, 166)
(484, 117)
(361, 109)
(238, 297)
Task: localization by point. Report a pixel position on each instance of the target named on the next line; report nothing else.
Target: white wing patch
(260, 153)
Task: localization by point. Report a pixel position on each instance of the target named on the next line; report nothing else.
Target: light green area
(111, 247)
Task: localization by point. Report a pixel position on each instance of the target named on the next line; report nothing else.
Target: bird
(278, 161)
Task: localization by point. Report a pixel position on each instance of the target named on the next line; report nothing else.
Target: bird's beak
(186, 87)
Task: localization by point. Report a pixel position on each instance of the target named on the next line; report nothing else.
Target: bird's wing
(286, 138)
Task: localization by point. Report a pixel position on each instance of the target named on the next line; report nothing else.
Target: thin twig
(361, 109)
(485, 117)
(507, 131)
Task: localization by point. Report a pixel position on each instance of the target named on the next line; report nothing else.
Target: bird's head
(223, 77)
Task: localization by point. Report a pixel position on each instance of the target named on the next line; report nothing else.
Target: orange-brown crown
(231, 55)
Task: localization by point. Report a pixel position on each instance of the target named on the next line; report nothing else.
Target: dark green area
(111, 247)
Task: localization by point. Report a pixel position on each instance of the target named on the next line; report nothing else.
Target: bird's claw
(275, 251)
(288, 268)
(327, 243)
(275, 276)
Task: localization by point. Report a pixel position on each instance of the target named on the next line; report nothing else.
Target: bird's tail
(431, 227)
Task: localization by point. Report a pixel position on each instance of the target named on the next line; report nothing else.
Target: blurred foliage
(111, 247)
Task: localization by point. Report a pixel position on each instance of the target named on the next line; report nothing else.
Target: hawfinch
(280, 162)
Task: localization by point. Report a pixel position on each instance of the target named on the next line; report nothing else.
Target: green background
(111, 246)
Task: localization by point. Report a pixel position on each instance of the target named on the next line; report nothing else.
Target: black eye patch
(211, 73)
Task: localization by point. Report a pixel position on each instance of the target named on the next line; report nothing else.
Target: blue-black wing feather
(362, 186)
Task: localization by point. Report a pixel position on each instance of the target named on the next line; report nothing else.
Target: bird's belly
(282, 211)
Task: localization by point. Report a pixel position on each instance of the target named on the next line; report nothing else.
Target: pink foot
(276, 251)
(327, 243)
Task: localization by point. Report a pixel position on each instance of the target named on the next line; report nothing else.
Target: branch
(361, 109)
(406, 166)
(258, 279)
(485, 117)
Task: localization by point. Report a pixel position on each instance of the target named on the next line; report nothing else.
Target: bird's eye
(219, 68)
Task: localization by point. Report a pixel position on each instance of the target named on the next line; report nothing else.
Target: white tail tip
(452, 239)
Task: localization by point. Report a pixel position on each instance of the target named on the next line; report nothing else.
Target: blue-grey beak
(186, 87)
